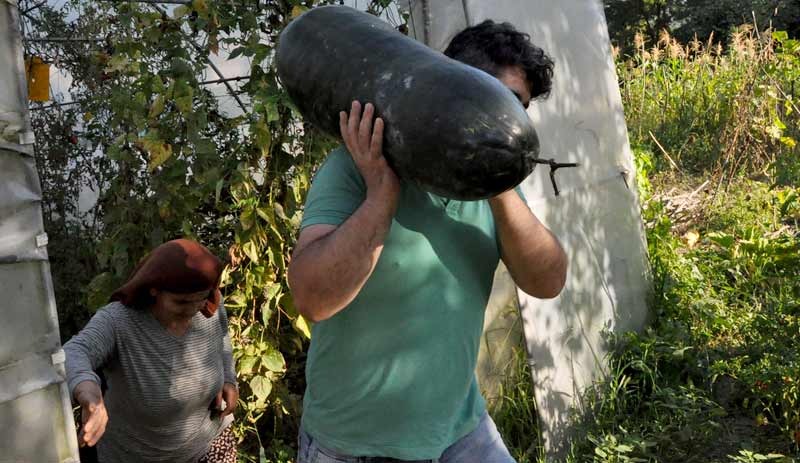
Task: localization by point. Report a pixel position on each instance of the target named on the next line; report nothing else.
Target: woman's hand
(230, 394)
(94, 416)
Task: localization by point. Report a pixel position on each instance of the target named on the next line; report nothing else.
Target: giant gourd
(452, 129)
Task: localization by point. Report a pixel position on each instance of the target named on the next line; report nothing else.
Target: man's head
(509, 55)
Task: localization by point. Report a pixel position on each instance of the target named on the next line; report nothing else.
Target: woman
(163, 346)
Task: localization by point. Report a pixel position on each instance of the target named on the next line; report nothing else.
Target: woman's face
(179, 304)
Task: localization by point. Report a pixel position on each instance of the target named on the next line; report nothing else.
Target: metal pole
(426, 22)
(171, 2)
(217, 81)
(465, 7)
(60, 39)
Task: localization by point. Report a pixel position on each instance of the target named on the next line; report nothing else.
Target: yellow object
(38, 76)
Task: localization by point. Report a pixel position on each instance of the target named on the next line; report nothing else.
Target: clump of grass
(704, 108)
(715, 377)
(514, 412)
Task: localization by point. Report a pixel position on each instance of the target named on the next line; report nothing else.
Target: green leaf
(250, 250)
(265, 216)
(261, 387)
(273, 361)
(266, 313)
(273, 290)
(184, 104)
(117, 63)
(271, 107)
(246, 365)
(158, 151)
(236, 52)
(297, 10)
(99, 290)
(235, 300)
(780, 36)
(206, 147)
(279, 212)
(724, 240)
(180, 68)
(679, 353)
(181, 11)
(157, 107)
(218, 189)
(301, 326)
(200, 6)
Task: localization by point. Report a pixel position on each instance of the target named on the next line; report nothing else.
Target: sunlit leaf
(261, 387)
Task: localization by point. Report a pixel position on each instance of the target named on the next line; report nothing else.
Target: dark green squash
(452, 129)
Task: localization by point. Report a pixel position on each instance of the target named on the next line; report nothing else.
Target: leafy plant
(145, 130)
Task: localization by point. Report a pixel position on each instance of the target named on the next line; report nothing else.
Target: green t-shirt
(393, 374)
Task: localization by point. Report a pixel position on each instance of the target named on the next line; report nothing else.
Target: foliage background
(146, 134)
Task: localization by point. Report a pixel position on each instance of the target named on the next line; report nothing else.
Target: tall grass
(514, 412)
(704, 108)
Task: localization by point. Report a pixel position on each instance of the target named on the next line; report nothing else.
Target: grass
(514, 412)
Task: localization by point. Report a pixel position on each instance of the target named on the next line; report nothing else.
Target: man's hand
(94, 416)
(364, 140)
(229, 393)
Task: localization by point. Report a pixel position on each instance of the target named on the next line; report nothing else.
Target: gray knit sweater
(160, 386)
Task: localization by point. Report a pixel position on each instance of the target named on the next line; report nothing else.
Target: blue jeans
(483, 445)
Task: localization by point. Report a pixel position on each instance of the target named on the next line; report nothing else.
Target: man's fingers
(352, 124)
(376, 145)
(343, 124)
(218, 400)
(365, 128)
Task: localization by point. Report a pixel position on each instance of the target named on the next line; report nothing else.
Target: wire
(171, 2)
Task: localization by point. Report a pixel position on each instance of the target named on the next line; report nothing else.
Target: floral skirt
(222, 448)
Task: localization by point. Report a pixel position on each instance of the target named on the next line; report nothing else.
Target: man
(398, 279)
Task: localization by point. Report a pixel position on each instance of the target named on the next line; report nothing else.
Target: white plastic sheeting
(596, 216)
(35, 411)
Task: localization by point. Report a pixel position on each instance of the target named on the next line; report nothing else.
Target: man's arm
(330, 264)
(533, 255)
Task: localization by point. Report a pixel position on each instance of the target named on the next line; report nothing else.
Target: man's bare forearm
(533, 255)
(327, 273)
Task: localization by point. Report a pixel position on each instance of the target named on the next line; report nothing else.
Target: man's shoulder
(338, 167)
(339, 158)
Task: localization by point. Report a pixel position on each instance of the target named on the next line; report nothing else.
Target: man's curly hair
(491, 46)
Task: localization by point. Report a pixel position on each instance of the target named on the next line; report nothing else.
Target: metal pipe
(60, 39)
(426, 22)
(217, 81)
(172, 2)
(465, 7)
